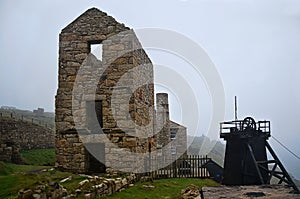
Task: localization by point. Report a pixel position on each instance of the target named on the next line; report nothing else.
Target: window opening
(173, 134)
(96, 49)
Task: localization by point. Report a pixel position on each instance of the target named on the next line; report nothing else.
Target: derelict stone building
(171, 136)
(105, 102)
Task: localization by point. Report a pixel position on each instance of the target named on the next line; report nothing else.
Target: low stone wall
(10, 153)
(25, 134)
(16, 135)
(90, 188)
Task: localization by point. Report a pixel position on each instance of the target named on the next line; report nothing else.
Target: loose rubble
(191, 192)
(89, 188)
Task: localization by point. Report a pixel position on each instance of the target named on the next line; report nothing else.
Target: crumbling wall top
(94, 19)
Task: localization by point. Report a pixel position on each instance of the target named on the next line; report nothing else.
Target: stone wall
(105, 103)
(180, 141)
(163, 125)
(25, 134)
(92, 187)
(121, 84)
(10, 153)
(18, 135)
(169, 147)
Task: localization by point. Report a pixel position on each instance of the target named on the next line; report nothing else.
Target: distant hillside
(196, 144)
(43, 119)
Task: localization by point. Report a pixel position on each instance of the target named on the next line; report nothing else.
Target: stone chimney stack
(162, 127)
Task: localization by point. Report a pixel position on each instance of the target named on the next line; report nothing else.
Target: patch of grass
(12, 178)
(4, 169)
(167, 188)
(39, 156)
(14, 169)
(11, 184)
(15, 177)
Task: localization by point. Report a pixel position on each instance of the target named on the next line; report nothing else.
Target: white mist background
(254, 45)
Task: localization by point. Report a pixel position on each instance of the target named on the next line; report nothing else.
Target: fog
(253, 44)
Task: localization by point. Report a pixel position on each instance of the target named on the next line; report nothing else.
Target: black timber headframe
(246, 161)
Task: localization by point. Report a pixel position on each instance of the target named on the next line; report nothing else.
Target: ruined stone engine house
(105, 105)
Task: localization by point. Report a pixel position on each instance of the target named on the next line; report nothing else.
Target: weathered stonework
(106, 103)
(179, 144)
(25, 134)
(10, 152)
(169, 131)
(122, 54)
(16, 135)
(93, 186)
(163, 124)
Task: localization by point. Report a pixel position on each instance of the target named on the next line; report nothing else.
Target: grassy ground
(39, 156)
(163, 189)
(15, 177)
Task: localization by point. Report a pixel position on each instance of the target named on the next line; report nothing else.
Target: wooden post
(193, 166)
(202, 162)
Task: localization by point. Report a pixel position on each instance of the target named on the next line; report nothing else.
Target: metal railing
(237, 125)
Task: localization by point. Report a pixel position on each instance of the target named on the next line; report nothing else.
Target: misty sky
(254, 45)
